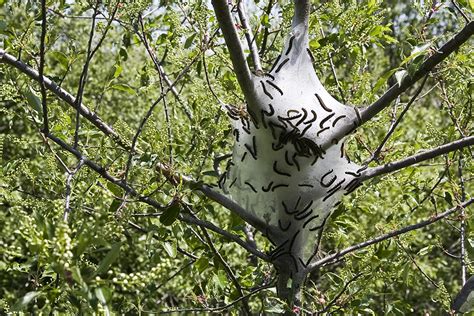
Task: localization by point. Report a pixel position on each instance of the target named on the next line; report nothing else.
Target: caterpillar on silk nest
(279, 171)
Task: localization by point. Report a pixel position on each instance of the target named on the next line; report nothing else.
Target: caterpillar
(296, 161)
(268, 75)
(352, 173)
(301, 216)
(323, 130)
(337, 119)
(290, 45)
(281, 65)
(274, 86)
(236, 134)
(287, 160)
(232, 183)
(265, 90)
(305, 115)
(275, 63)
(313, 119)
(327, 118)
(286, 209)
(321, 102)
(297, 202)
(251, 186)
(309, 220)
(278, 171)
(268, 187)
(333, 190)
(320, 226)
(327, 185)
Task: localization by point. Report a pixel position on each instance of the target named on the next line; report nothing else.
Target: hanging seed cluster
(279, 171)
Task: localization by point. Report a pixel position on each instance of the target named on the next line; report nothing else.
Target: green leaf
(61, 58)
(118, 70)
(25, 300)
(170, 214)
(220, 279)
(114, 206)
(400, 75)
(382, 80)
(170, 248)
(189, 40)
(314, 43)
(123, 87)
(201, 264)
(33, 100)
(100, 295)
(115, 189)
(265, 20)
(77, 276)
(417, 51)
(448, 197)
(111, 256)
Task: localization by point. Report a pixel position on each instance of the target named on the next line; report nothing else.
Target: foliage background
(123, 259)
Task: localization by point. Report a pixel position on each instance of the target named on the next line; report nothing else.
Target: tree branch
(109, 131)
(428, 65)
(249, 37)
(393, 126)
(232, 40)
(342, 253)
(63, 95)
(145, 199)
(266, 32)
(41, 67)
(302, 9)
(195, 221)
(227, 269)
(406, 162)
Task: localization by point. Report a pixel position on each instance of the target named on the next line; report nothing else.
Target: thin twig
(460, 11)
(63, 95)
(227, 269)
(222, 308)
(333, 69)
(463, 219)
(70, 175)
(90, 54)
(147, 200)
(109, 131)
(433, 219)
(426, 276)
(41, 67)
(165, 106)
(393, 92)
(83, 77)
(247, 246)
(394, 125)
(266, 31)
(249, 37)
(334, 300)
(409, 161)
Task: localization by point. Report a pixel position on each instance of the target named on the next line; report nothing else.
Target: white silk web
(278, 171)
